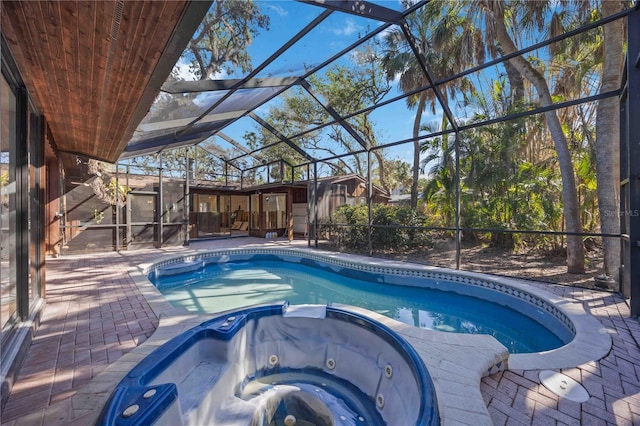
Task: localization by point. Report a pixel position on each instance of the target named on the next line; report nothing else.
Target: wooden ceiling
(93, 68)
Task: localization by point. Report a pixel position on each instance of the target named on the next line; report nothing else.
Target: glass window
(205, 203)
(8, 271)
(34, 207)
(219, 215)
(275, 210)
(225, 213)
(255, 211)
(240, 214)
(172, 197)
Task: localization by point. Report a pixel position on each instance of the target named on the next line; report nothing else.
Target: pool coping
(591, 341)
(456, 362)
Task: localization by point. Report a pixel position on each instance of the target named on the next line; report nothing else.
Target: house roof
(325, 180)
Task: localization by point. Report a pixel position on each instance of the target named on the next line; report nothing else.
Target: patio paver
(95, 314)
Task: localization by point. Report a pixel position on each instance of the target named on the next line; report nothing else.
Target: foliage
(355, 234)
(510, 173)
(447, 42)
(500, 187)
(219, 44)
(399, 175)
(345, 89)
(204, 164)
(4, 181)
(105, 186)
(98, 216)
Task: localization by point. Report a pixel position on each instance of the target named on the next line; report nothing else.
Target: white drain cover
(563, 385)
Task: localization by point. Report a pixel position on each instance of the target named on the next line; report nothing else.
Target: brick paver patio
(517, 397)
(95, 314)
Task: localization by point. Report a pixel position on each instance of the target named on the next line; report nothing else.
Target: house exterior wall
(22, 213)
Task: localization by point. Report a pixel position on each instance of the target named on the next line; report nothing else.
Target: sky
(393, 122)
(287, 18)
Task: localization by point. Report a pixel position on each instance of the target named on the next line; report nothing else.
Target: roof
(234, 186)
(400, 199)
(325, 180)
(94, 68)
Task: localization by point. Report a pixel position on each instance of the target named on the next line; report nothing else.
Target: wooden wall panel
(87, 83)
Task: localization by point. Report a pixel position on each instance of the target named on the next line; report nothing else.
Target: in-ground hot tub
(278, 365)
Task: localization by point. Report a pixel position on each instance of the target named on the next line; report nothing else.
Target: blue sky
(393, 122)
(287, 18)
(330, 37)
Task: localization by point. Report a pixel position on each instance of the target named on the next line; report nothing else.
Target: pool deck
(97, 319)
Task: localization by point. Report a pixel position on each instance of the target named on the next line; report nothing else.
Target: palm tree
(400, 61)
(441, 185)
(495, 13)
(603, 53)
(448, 42)
(575, 67)
(608, 139)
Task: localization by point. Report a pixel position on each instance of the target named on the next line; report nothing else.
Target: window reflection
(275, 210)
(34, 206)
(219, 215)
(7, 206)
(255, 211)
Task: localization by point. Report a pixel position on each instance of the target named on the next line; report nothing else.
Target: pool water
(231, 285)
(314, 399)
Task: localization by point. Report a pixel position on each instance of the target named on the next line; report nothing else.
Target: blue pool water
(231, 285)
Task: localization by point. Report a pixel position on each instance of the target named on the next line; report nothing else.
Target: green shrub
(350, 230)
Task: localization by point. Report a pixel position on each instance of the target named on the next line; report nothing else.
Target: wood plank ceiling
(93, 68)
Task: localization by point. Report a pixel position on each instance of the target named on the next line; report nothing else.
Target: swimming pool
(216, 281)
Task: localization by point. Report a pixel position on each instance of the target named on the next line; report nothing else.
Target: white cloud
(183, 71)
(220, 75)
(277, 9)
(349, 28)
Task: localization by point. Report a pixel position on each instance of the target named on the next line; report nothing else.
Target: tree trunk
(416, 151)
(608, 140)
(516, 84)
(382, 171)
(367, 131)
(571, 208)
